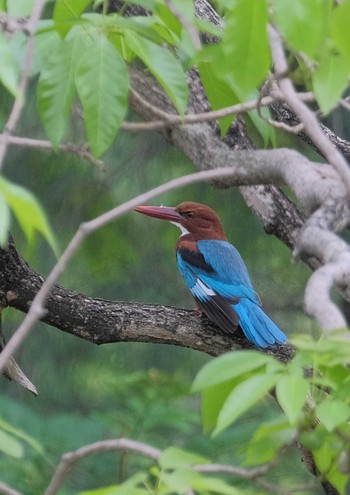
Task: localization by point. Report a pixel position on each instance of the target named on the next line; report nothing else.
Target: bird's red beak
(163, 212)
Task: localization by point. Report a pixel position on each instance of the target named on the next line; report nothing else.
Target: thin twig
(11, 25)
(7, 490)
(18, 103)
(295, 129)
(70, 458)
(82, 150)
(169, 120)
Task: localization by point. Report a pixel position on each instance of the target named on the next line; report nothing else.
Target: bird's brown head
(198, 220)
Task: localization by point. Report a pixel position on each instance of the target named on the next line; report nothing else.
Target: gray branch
(100, 321)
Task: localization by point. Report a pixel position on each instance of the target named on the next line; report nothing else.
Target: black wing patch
(221, 312)
(196, 259)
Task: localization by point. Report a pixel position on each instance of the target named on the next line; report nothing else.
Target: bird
(216, 274)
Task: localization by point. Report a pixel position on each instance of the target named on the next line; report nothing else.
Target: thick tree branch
(100, 321)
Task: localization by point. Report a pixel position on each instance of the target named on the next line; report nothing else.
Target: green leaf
(20, 8)
(4, 425)
(28, 211)
(164, 66)
(245, 46)
(327, 458)
(291, 392)
(66, 10)
(206, 484)
(165, 17)
(56, 87)
(293, 18)
(332, 412)
(130, 486)
(243, 397)
(228, 366)
(10, 446)
(178, 481)
(174, 457)
(46, 43)
(340, 28)
(330, 81)
(102, 82)
(4, 220)
(213, 398)
(265, 130)
(219, 93)
(113, 25)
(8, 69)
(267, 440)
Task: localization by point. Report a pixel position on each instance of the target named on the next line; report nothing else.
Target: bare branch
(11, 25)
(70, 458)
(167, 120)
(7, 490)
(317, 237)
(80, 150)
(295, 129)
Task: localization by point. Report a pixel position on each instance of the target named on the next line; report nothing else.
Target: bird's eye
(187, 214)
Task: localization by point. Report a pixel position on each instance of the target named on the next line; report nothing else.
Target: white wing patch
(202, 291)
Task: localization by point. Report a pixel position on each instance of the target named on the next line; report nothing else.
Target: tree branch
(100, 321)
(80, 150)
(70, 458)
(7, 490)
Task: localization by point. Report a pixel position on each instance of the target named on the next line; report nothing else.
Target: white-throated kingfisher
(216, 274)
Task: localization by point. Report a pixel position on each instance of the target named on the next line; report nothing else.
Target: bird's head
(192, 218)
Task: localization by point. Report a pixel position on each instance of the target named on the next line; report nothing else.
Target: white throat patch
(182, 228)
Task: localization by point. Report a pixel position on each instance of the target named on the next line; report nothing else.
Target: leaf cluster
(315, 404)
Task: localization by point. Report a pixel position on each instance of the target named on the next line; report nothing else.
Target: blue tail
(257, 326)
